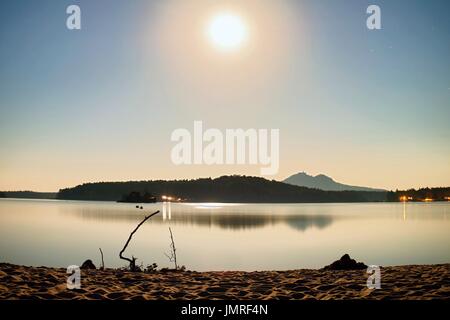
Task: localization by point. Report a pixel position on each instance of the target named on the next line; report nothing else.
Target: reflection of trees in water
(304, 222)
(229, 221)
(239, 222)
(233, 221)
(106, 215)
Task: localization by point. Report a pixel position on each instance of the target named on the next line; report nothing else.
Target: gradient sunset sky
(365, 107)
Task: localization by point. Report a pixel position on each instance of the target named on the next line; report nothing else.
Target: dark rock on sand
(346, 263)
(88, 264)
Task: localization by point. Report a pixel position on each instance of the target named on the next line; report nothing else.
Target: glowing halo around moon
(227, 31)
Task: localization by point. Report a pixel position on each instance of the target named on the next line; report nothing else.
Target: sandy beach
(423, 282)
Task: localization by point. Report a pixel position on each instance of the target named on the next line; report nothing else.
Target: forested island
(137, 197)
(222, 189)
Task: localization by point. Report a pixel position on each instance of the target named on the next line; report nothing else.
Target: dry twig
(132, 261)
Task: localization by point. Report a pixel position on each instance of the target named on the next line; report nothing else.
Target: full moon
(227, 31)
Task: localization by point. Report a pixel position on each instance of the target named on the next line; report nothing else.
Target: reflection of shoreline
(302, 223)
(241, 217)
(223, 220)
(252, 221)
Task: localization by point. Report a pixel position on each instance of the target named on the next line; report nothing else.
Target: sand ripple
(404, 282)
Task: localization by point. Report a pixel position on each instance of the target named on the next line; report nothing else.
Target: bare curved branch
(132, 261)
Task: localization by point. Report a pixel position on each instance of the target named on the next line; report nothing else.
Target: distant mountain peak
(324, 177)
(323, 182)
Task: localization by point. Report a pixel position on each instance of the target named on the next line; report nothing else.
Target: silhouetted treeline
(434, 194)
(28, 195)
(223, 189)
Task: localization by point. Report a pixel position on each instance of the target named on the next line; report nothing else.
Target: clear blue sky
(99, 104)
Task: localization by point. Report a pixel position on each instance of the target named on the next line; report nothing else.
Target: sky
(366, 107)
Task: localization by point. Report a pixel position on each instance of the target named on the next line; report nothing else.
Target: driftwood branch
(103, 262)
(173, 253)
(132, 261)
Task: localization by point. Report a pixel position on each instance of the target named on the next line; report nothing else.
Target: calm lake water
(224, 236)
